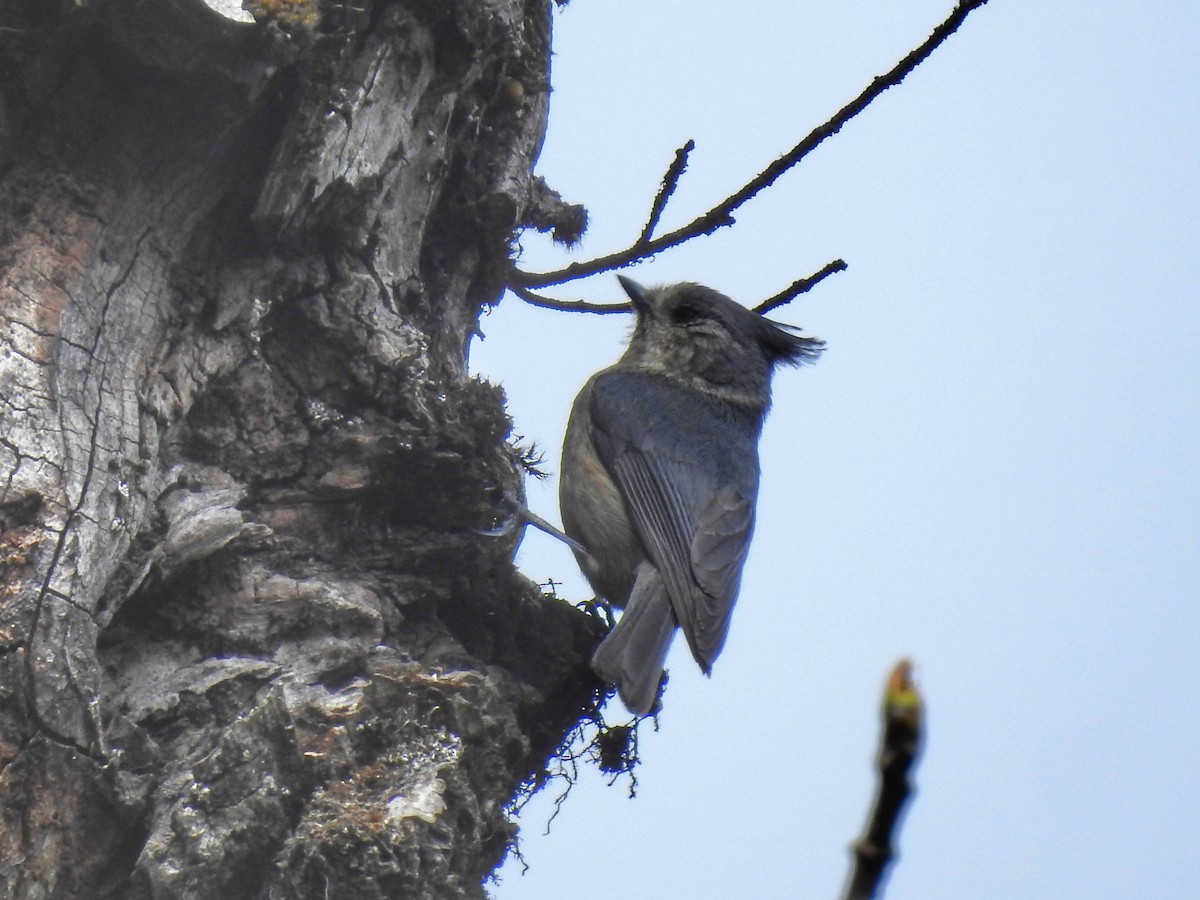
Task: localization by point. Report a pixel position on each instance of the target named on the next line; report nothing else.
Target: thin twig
(568, 305)
(791, 292)
(801, 286)
(721, 214)
(669, 183)
(902, 727)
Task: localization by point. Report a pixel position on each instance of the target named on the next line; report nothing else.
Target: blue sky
(994, 468)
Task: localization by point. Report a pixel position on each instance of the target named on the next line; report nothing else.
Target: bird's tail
(633, 654)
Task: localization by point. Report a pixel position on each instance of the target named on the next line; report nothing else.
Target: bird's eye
(686, 314)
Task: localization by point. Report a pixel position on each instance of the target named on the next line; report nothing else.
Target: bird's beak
(636, 293)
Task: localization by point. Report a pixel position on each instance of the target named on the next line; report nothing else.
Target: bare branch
(787, 295)
(722, 214)
(902, 727)
(802, 286)
(669, 183)
(568, 305)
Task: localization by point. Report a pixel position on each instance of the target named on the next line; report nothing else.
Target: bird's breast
(594, 514)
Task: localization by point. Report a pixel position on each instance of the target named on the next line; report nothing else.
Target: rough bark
(252, 641)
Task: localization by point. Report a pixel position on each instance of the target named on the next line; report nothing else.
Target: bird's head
(698, 336)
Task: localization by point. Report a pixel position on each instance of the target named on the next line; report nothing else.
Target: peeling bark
(253, 642)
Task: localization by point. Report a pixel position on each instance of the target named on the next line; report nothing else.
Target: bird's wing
(718, 554)
(687, 467)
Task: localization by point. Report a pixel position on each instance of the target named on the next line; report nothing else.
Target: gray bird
(660, 475)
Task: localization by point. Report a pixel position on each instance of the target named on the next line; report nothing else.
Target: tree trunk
(253, 639)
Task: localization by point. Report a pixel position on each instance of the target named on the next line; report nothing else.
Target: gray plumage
(660, 475)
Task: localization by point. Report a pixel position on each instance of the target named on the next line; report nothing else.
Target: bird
(659, 475)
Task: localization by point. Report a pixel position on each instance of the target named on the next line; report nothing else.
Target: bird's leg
(601, 609)
(521, 516)
(531, 518)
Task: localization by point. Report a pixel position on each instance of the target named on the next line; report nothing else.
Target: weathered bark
(252, 640)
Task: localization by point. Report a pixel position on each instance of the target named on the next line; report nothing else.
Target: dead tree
(253, 641)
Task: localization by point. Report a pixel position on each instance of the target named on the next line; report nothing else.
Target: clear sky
(994, 468)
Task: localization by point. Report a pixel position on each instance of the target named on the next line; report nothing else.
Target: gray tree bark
(252, 640)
